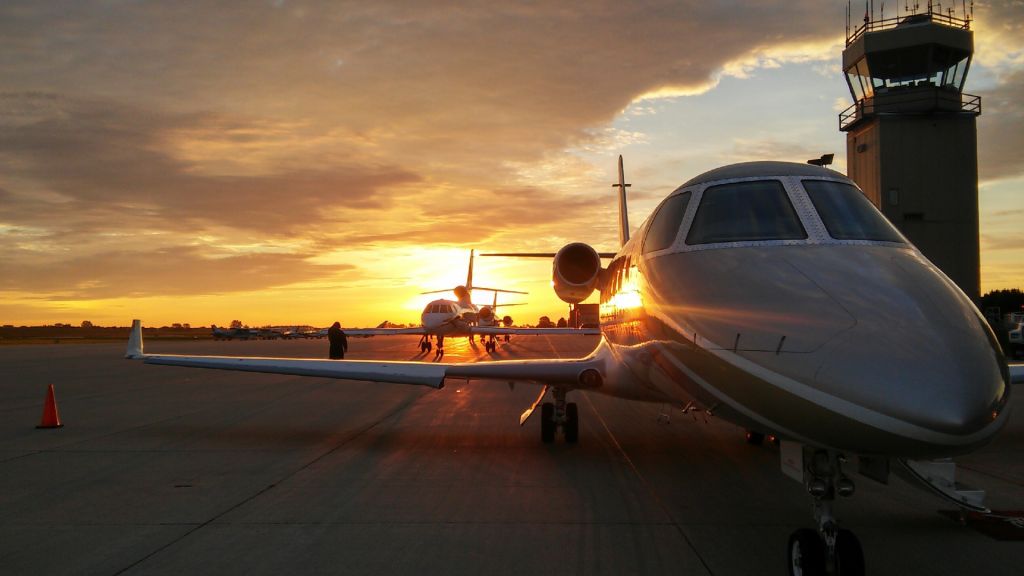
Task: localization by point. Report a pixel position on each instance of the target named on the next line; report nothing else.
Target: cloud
(170, 271)
(111, 158)
(1001, 45)
(1001, 129)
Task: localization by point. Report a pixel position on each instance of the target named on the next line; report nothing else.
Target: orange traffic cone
(50, 417)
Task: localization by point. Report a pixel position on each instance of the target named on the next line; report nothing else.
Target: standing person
(338, 340)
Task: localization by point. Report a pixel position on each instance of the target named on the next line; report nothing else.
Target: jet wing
(577, 373)
(382, 331)
(497, 331)
(541, 254)
(1016, 373)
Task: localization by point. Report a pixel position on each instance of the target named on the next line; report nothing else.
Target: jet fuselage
(824, 326)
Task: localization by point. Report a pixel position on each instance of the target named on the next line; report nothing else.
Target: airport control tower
(911, 137)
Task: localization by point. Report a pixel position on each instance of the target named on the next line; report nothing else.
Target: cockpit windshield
(439, 308)
(847, 213)
(743, 212)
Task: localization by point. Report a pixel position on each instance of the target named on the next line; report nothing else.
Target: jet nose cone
(920, 352)
(927, 377)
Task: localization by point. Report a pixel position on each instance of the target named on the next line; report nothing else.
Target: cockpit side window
(744, 212)
(847, 213)
(665, 227)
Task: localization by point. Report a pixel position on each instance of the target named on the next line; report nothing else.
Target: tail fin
(469, 275)
(623, 214)
(135, 341)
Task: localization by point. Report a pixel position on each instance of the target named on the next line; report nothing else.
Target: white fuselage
(856, 344)
(448, 317)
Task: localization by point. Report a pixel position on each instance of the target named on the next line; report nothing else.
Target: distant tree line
(1008, 300)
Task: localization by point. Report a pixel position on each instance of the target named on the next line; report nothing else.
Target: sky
(300, 162)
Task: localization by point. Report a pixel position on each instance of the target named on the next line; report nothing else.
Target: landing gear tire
(755, 438)
(547, 423)
(572, 423)
(806, 553)
(849, 555)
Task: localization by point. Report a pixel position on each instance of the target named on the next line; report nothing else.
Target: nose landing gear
(829, 550)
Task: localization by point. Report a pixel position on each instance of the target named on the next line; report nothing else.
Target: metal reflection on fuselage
(858, 345)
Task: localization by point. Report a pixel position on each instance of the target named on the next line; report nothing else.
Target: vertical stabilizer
(469, 275)
(135, 341)
(623, 213)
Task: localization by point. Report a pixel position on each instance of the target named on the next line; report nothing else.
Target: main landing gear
(425, 344)
(490, 344)
(829, 549)
(559, 414)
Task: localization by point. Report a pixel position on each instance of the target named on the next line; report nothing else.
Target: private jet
(462, 318)
(776, 296)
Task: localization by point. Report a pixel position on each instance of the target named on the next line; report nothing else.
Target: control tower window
(745, 211)
(848, 214)
(860, 80)
(665, 226)
(905, 68)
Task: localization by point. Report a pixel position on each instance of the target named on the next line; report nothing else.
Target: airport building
(911, 136)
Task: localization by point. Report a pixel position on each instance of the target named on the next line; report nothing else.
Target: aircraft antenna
(623, 215)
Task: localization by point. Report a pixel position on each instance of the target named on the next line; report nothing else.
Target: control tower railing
(930, 102)
(888, 23)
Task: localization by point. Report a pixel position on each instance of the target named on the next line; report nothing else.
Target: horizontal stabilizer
(499, 290)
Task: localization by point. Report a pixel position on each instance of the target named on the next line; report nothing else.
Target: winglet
(623, 215)
(134, 350)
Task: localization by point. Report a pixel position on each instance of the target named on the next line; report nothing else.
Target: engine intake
(575, 272)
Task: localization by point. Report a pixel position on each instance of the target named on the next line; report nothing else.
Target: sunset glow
(287, 162)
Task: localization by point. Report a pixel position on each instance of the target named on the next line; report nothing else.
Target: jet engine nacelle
(486, 314)
(575, 272)
(507, 321)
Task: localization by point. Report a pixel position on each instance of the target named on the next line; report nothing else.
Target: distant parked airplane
(461, 317)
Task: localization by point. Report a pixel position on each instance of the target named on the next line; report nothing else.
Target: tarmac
(164, 470)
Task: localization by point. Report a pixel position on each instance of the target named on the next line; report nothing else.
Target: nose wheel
(829, 550)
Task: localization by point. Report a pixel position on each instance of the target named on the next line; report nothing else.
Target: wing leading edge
(574, 373)
(497, 331)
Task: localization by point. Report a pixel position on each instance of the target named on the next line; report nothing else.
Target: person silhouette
(339, 342)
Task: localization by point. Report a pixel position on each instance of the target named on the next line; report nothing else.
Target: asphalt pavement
(164, 470)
